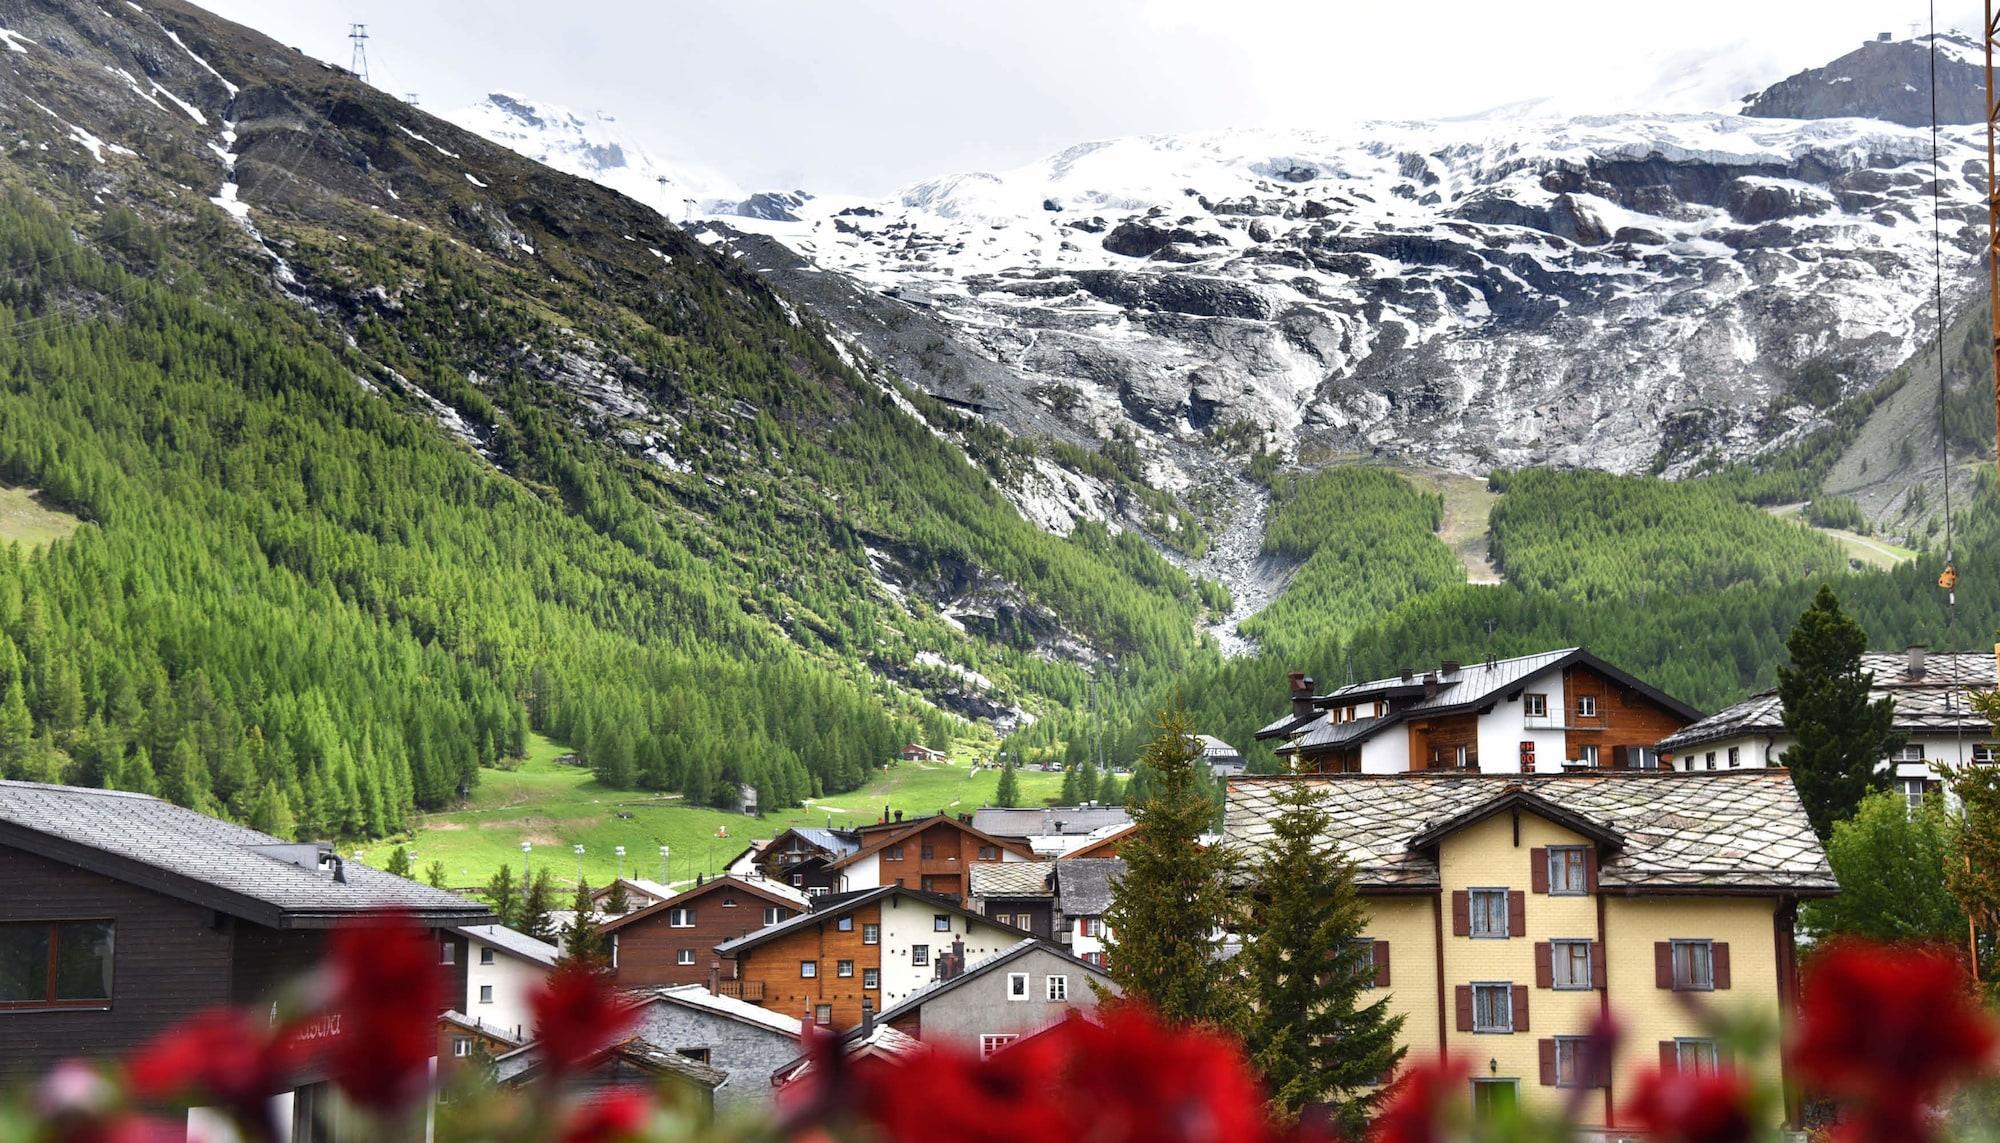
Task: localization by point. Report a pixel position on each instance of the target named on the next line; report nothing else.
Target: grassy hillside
(27, 521)
(556, 807)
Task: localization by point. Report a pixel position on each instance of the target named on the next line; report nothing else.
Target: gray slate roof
(1043, 822)
(1732, 830)
(1933, 703)
(513, 942)
(1083, 884)
(974, 969)
(176, 851)
(1012, 878)
(698, 996)
(840, 843)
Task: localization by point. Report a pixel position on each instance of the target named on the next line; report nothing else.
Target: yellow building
(1510, 912)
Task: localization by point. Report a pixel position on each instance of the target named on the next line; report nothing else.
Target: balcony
(1563, 720)
(751, 991)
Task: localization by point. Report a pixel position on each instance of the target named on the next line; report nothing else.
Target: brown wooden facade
(772, 973)
(933, 855)
(653, 951)
(1625, 721)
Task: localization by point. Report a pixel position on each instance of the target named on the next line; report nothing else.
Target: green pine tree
(17, 732)
(1072, 785)
(435, 875)
(1839, 736)
(399, 862)
(185, 781)
(536, 904)
(618, 902)
(583, 941)
(504, 896)
(1173, 904)
(272, 812)
(1309, 1028)
(1008, 793)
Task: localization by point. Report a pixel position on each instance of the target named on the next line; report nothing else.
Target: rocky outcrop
(1885, 79)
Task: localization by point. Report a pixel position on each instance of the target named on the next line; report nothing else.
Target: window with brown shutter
(1663, 964)
(1670, 1057)
(1597, 964)
(1462, 998)
(1718, 964)
(1545, 973)
(1590, 869)
(1538, 869)
(1461, 913)
(1517, 913)
(1547, 1050)
(1520, 1008)
(1381, 964)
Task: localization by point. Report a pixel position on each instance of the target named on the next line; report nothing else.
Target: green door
(1494, 1100)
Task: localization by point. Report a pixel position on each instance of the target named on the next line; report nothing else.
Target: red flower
(576, 1018)
(1685, 1107)
(1417, 1103)
(1887, 1032)
(950, 1095)
(617, 1114)
(223, 1056)
(77, 1104)
(387, 993)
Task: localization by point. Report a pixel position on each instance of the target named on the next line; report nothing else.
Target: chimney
(1448, 668)
(715, 978)
(1430, 685)
(867, 1017)
(1407, 673)
(885, 813)
(1302, 695)
(1916, 666)
(899, 816)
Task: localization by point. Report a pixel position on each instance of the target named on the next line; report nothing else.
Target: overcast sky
(865, 96)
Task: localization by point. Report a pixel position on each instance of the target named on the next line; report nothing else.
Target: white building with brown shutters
(1508, 914)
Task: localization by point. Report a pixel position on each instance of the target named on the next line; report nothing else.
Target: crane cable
(1947, 579)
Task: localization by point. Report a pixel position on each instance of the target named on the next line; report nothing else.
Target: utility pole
(358, 64)
(1992, 216)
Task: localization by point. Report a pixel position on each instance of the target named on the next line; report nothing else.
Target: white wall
(863, 874)
(1080, 945)
(512, 978)
(907, 922)
(1388, 752)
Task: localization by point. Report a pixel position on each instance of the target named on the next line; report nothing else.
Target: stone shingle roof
(234, 869)
(1012, 878)
(1729, 831)
(1028, 823)
(1083, 885)
(698, 996)
(1932, 703)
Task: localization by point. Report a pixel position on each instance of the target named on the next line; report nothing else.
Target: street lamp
(527, 848)
(579, 862)
(666, 870)
(620, 851)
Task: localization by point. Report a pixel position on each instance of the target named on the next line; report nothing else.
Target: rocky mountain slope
(1885, 78)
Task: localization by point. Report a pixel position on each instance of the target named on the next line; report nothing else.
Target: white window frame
(871, 978)
(1591, 755)
(843, 968)
(772, 915)
(1986, 753)
(940, 922)
(1056, 987)
(1913, 790)
(808, 970)
(1505, 990)
(992, 1042)
(871, 934)
(486, 994)
(485, 954)
(447, 953)
(1563, 960)
(1697, 1054)
(1534, 706)
(1017, 986)
(684, 956)
(680, 917)
(1472, 926)
(461, 1046)
(1692, 982)
(1586, 706)
(823, 1015)
(1093, 927)
(1908, 752)
(844, 923)
(920, 956)
(1571, 1050)
(1735, 757)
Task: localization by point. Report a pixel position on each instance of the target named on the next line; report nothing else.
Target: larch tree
(1309, 1026)
(436, 875)
(1839, 737)
(1173, 904)
(1008, 793)
(504, 896)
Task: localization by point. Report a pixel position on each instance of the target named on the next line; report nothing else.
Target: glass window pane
(24, 962)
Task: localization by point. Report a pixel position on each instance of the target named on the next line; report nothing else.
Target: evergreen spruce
(435, 875)
(504, 896)
(17, 732)
(618, 902)
(1840, 738)
(1008, 793)
(1310, 1029)
(583, 941)
(399, 862)
(536, 904)
(1173, 904)
(272, 812)
(1071, 785)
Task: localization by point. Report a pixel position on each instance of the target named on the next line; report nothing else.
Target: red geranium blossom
(576, 1018)
(1887, 1032)
(223, 1056)
(950, 1095)
(617, 1114)
(1686, 1107)
(387, 993)
(1417, 1103)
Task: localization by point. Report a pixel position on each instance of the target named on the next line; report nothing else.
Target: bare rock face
(1885, 79)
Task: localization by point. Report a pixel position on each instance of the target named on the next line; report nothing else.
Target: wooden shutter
(1548, 1053)
(1718, 963)
(1461, 914)
(1597, 965)
(1517, 913)
(1670, 1058)
(1663, 964)
(1590, 869)
(1381, 964)
(1520, 1008)
(1463, 997)
(1545, 973)
(1538, 869)
(1618, 756)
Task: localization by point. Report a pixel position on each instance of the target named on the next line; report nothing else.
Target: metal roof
(1083, 884)
(1048, 821)
(1728, 831)
(175, 851)
(829, 910)
(512, 942)
(1931, 703)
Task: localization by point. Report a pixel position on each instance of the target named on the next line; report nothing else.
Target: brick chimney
(1430, 685)
(715, 978)
(1448, 668)
(1302, 694)
(1407, 673)
(951, 965)
(1916, 666)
